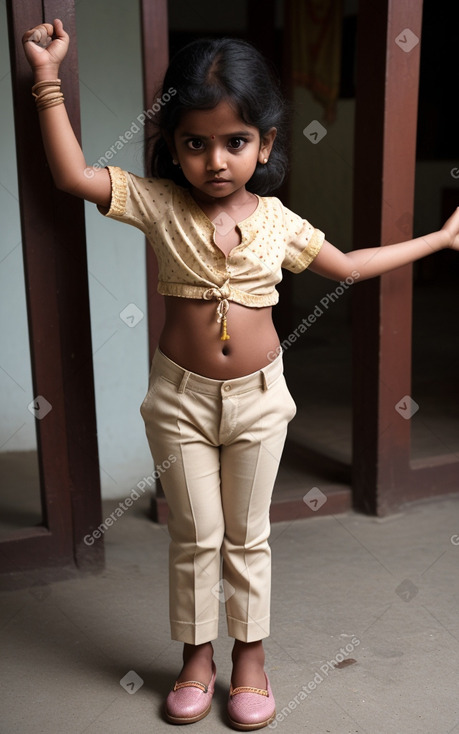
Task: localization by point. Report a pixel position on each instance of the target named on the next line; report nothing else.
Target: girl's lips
(218, 180)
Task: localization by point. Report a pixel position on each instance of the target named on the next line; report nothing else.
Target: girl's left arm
(373, 261)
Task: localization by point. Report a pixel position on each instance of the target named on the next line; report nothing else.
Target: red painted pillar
(388, 56)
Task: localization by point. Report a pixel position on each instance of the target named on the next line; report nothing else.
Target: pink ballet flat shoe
(251, 708)
(190, 701)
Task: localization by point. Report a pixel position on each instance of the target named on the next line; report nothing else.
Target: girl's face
(217, 151)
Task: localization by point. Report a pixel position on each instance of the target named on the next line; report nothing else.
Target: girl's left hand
(451, 226)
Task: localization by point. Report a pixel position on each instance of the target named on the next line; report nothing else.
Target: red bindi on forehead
(212, 137)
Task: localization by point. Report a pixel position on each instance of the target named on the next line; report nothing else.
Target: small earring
(175, 161)
(265, 160)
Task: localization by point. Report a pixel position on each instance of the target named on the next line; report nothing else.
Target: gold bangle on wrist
(47, 93)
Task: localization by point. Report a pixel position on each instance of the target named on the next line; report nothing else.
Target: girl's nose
(216, 159)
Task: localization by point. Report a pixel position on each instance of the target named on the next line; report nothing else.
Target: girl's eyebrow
(237, 134)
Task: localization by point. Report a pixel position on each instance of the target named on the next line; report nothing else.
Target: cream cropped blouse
(190, 264)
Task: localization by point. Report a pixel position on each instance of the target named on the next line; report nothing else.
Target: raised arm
(373, 261)
(63, 151)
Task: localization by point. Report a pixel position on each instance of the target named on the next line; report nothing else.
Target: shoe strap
(193, 683)
(248, 689)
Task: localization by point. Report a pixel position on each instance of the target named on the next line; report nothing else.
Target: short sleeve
(135, 200)
(303, 242)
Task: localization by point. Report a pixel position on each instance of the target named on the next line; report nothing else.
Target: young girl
(216, 399)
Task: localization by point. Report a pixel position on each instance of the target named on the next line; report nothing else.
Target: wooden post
(54, 246)
(155, 56)
(388, 53)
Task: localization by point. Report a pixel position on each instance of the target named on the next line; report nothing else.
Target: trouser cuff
(194, 634)
(248, 631)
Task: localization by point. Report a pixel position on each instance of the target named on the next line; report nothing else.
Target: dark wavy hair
(205, 73)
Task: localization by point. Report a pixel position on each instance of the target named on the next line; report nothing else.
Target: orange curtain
(315, 32)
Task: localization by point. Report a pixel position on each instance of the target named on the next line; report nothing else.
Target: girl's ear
(266, 145)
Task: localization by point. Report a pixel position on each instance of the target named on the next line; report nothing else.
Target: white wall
(111, 99)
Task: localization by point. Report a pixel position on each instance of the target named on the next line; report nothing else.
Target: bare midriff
(191, 338)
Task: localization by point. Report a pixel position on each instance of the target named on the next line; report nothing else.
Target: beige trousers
(222, 442)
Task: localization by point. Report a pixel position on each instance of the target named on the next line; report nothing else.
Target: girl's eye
(195, 144)
(237, 143)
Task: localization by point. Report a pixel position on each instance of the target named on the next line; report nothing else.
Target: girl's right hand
(42, 52)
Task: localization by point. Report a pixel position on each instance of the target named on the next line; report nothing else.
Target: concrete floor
(382, 593)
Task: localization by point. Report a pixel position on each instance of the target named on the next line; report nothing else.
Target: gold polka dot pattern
(183, 238)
